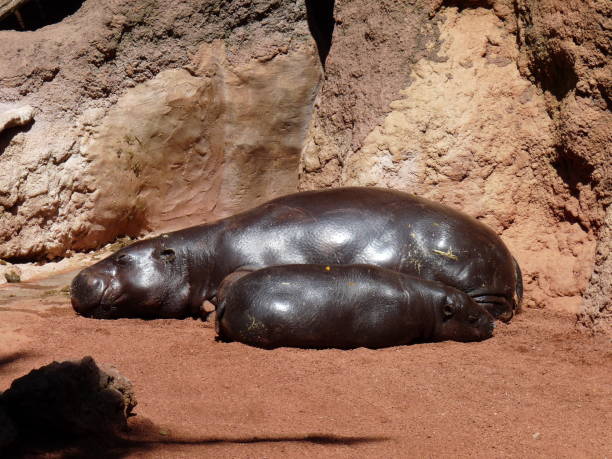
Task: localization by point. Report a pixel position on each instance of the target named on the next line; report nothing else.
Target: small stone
(12, 276)
(537, 436)
(16, 117)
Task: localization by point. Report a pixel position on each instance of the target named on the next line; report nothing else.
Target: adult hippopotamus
(344, 307)
(170, 276)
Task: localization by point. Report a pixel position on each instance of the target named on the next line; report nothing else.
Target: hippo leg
(501, 307)
(519, 285)
(498, 306)
(229, 280)
(222, 290)
(224, 287)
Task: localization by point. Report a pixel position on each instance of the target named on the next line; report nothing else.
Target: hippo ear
(449, 310)
(168, 255)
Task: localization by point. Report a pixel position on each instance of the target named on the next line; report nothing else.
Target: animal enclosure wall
(128, 117)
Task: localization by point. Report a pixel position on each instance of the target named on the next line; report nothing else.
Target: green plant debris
(121, 243)
(64, 291)
(255, 324)
(448, 254)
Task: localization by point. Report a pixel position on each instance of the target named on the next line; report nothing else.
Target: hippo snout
(86, 291)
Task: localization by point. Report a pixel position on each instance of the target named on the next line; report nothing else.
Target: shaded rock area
(481, 110)
(373, 47)
(9, 6)
(141, 108)
(66, 400)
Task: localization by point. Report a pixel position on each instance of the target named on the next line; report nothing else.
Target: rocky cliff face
(148, 118)
(497, 108)
(152, 118)
(565, 49)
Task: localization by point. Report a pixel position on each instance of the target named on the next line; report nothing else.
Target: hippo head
(459, 318)
(148, 279)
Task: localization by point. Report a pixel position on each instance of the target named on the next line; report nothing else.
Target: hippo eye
(448, 310)
(168, 255)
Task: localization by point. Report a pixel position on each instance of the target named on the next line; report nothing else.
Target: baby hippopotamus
(344, 307)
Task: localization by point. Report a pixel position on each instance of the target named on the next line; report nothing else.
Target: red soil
(538, 388)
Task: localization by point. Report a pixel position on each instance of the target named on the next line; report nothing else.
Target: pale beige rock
(126, 139)
(199, 145)
(15, 117)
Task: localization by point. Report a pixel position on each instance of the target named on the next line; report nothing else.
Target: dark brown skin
(317, 306)
(170, 276)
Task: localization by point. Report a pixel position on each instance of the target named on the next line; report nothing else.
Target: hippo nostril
(96, 284)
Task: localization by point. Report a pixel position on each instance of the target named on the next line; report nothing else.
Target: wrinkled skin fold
(170, 276)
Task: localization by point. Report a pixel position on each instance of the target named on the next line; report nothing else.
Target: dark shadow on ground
(319, 439)
(118, 447)
(11, 358)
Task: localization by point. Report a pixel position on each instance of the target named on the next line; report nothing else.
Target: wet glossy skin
(147, 281)
(344, 226)
(318, 306)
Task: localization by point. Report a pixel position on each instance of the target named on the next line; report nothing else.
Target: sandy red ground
(538, 388)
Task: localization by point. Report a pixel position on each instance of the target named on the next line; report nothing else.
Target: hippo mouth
(107, 307)
(103, 310)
